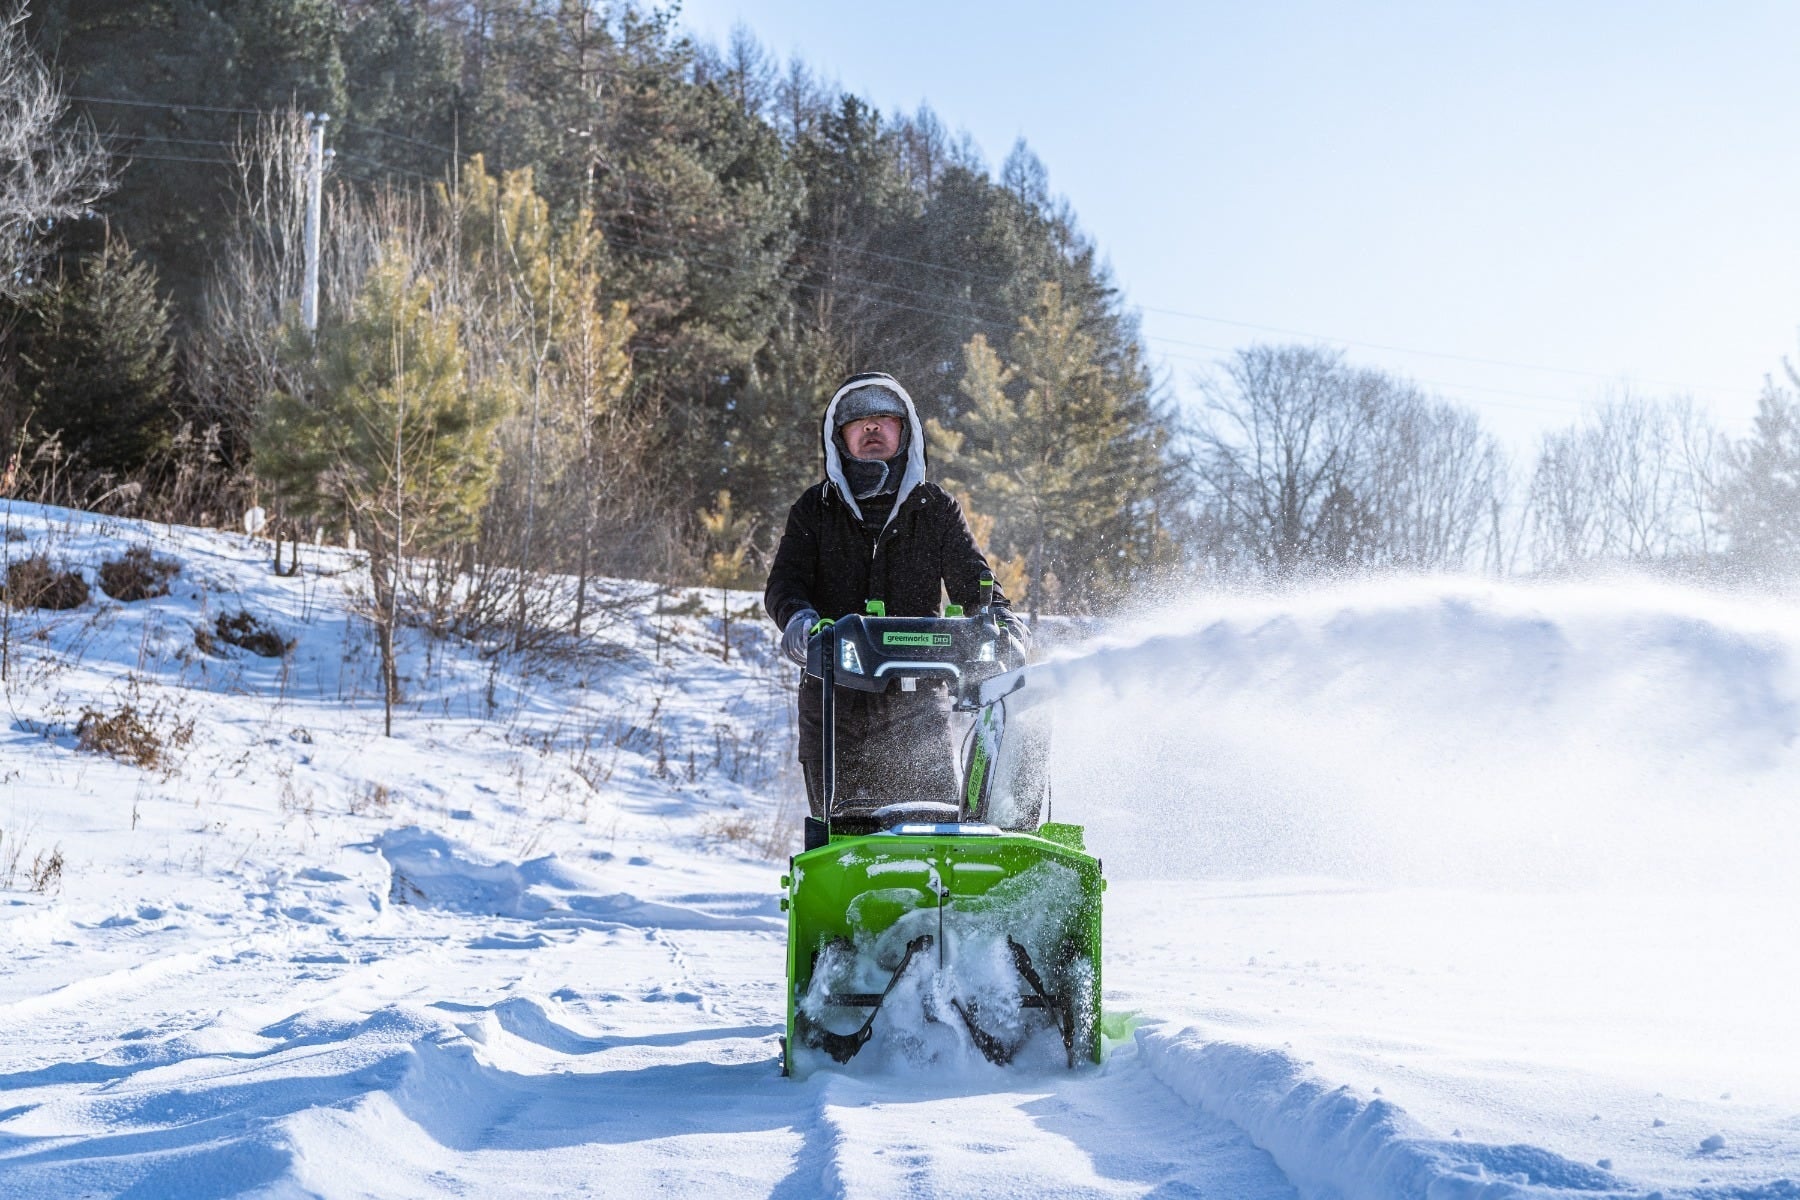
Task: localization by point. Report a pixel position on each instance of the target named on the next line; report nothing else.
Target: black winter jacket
(829, 562)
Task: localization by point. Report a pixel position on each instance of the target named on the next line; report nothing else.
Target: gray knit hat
(875, 400)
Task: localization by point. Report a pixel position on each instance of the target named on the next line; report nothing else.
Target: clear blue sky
(1597, 193)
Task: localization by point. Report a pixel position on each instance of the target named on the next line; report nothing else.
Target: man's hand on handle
(797, 633)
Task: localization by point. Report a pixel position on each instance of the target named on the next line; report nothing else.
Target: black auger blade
(997, 1051)
(843, 1046)
(991, 1047)
(1058, 1009)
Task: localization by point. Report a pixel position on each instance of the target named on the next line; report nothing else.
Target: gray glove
(1018, 638)
(796, 633)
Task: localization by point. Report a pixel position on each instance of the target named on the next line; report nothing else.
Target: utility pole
(315, 203)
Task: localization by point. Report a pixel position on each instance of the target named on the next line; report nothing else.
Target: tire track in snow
(380, 1078)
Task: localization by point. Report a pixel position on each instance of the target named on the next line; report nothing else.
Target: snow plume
(1434, 732)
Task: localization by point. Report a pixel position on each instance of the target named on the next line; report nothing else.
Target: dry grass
(374, 798)
(131, 737)
(34, 583)
(43, 873)
(246, 631)
(772, 838)
(137, 575)
(46, 870)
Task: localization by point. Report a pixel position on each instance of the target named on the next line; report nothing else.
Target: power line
(211, 162)
(157, 140)
(400, 137)
(969, 308)
(861, 288)
(1454, 390)
(252, 112)
(240, 112)
(1562, 405)
(1468, 358)
(388, 167)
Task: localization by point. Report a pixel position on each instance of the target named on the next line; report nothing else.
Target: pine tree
(727, 559)
(591, 380)
(1046, 447)
(572, 450)
(95, 363)
(1009, 573)
(1760, 500)
(394, 440)
(772, 424)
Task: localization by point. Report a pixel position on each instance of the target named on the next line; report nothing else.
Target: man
(874, 529)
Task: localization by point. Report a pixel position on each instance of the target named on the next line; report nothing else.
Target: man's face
(871, 438)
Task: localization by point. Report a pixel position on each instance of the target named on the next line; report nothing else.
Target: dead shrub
(769, 838)
(34, 583)
(137, 575)
(46, 870)
(130, 737)
(244, 630)
(736, 829)
(374, 798)
(688, 606)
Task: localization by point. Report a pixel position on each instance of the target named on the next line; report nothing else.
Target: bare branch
(51, 172)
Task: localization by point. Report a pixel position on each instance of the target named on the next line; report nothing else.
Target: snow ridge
(1331, 1142)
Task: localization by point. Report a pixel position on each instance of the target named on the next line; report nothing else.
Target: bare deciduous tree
(50, 171)
(236, 357)
(1437, 480)
(1306, 463)
(1273, 450)
(1635, 483)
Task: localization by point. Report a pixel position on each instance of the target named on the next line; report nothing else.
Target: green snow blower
(968, 905)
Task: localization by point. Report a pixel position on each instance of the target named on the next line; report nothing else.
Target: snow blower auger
(967, 904)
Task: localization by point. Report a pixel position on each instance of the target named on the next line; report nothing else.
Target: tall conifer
(1045, 447)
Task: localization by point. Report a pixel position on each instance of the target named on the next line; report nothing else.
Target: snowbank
(1330, 1142)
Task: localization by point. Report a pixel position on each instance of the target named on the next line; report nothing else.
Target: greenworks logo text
(915, 639)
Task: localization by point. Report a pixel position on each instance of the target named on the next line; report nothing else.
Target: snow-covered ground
(1428, 889)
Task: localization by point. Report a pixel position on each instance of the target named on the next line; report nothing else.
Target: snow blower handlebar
(873, 652)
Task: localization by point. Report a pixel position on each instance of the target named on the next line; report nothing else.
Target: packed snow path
(603, 1046)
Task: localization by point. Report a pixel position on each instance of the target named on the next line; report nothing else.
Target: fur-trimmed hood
(910, 478)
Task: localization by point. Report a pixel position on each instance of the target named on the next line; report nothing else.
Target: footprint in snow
(658, 995)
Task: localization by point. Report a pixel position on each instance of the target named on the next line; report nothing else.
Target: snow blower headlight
(848, 659)
(988, 653)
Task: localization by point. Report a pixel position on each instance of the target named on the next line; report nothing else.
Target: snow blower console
(989, 918)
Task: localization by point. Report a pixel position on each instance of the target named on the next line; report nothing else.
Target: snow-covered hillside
(1421, 890)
